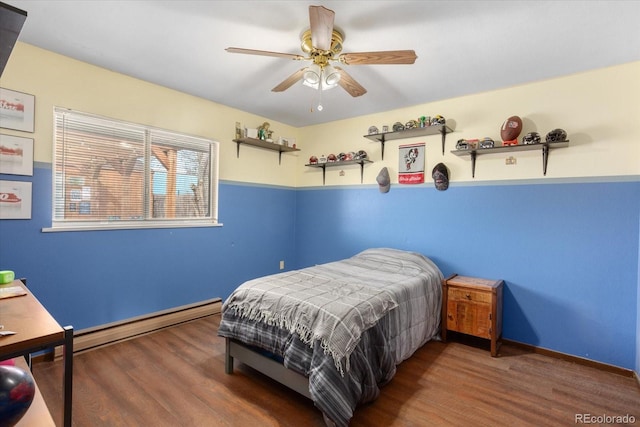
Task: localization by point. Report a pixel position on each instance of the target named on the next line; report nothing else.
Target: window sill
(129, 226)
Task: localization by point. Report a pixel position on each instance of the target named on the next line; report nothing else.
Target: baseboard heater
(111, 333)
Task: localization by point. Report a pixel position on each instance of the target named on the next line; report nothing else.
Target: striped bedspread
(340, 322)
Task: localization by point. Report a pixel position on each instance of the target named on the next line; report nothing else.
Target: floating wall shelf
(264, 144)
(545, 146)
(411, 133)
(326, 165)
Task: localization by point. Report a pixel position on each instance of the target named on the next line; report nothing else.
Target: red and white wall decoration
(411, 163)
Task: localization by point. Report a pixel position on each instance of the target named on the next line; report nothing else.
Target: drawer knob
(468, 296)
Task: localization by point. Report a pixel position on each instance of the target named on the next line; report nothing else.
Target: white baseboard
(92, 338)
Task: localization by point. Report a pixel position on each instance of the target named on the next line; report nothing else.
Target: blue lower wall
(90, 278)
(568, 252)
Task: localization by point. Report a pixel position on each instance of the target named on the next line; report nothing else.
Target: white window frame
(58, 182)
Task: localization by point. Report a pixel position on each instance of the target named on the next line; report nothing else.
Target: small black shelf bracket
(443, 131)
(474, 154)
(545, 158)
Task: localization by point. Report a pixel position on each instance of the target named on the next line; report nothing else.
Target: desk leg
(67, 385)
(29, 360)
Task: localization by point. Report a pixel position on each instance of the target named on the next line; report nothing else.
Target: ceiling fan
(322, 45)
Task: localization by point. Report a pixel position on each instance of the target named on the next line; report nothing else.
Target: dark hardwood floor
(175, 377)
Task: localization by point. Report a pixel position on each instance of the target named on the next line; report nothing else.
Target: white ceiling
(463, 47)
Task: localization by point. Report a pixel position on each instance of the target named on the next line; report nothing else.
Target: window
(113, 174)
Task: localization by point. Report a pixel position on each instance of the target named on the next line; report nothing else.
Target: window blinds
(109, 171)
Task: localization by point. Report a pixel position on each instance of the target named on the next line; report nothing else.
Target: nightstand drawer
(469, 295)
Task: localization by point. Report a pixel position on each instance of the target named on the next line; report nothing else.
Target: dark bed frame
(265, 365)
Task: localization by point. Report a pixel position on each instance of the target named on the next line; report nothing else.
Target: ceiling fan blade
(349, 84)
(264, 53)
(321, 20)
(384, 57)
(289, 81)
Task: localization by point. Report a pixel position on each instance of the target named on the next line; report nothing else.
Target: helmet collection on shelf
(509, 133)
(342, 157)
(420, 122)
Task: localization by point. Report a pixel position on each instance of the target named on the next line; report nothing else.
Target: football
(511, 128)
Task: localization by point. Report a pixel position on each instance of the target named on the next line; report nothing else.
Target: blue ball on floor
(16, 394)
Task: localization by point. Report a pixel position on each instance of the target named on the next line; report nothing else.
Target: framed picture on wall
(17, 110)
(411, 166)
(16, 155)
(15, 200)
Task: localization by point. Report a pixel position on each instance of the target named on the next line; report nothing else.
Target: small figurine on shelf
(424, 121)
(263, 131)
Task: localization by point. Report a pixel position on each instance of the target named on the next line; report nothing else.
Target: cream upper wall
(56, 80)
(600, 110)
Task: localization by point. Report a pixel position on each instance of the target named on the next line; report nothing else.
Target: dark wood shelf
(264, 144)
(411, 133)
(544, 146)
(325, 165)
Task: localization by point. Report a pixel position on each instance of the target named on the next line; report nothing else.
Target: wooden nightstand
(473, 306)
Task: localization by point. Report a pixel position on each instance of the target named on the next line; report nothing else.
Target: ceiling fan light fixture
(330, 76)
(321, 77)
(315, 86)
(312, 75)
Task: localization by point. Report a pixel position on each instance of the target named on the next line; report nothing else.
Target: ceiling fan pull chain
(320, 107)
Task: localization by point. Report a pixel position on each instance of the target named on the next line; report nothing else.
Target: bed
(335, 332)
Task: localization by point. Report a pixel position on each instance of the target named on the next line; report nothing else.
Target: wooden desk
(36, 331)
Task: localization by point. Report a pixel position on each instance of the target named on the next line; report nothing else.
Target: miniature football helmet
(556, 135)
(462, 144)
(360, 155)
(531, 138)
(313, 160)
(438, 120)
(487, 143)
(411, 124)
